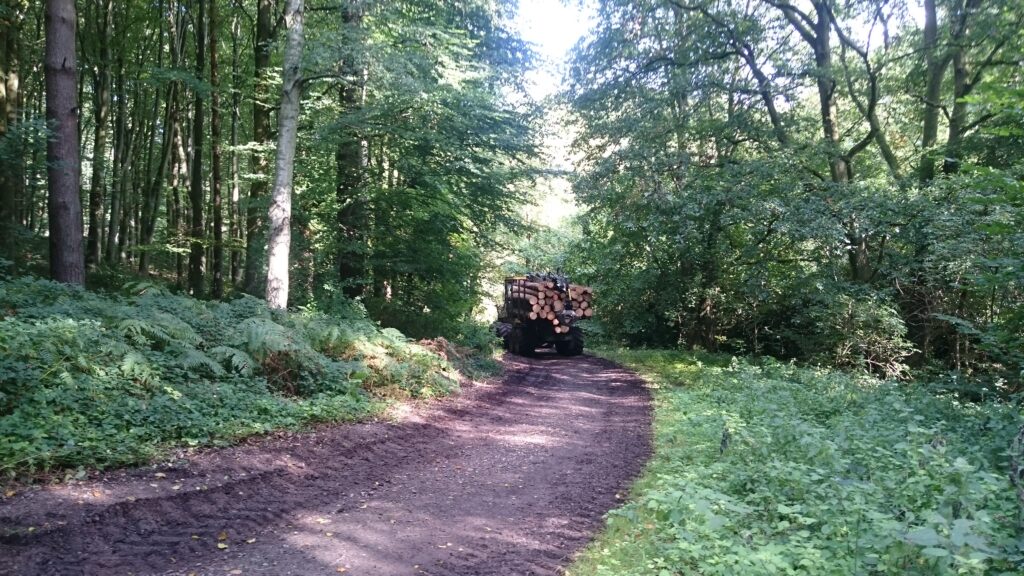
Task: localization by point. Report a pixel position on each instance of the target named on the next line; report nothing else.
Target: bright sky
(553, 27)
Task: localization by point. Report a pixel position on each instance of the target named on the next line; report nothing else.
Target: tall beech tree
(196, 191)
(64, 208)
(280, 214)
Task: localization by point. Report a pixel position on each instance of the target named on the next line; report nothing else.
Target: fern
(190, 359)
(238, 360)
(134, 365)
(116, 377)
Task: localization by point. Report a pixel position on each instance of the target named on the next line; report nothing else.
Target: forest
(835, 182)
(279, 213)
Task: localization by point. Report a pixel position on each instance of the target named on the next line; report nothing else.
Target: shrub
(89, 379)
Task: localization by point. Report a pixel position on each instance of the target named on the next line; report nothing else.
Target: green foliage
(851, 332)
(716, 216)
(100, 380)
(773, 469)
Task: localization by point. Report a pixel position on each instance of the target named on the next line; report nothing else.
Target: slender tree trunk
(958, 117)
(101, 115)
(7, 202)
(152, 201)
(67, 261)
(279, 239)
(936, 65)
(215, 187)
(120, 161)
(12, 173)
(254, 248)
(350, 159)
(196, 259)
(839, 166)
(235, 230)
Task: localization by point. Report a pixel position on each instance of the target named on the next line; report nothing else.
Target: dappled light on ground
(512, 477)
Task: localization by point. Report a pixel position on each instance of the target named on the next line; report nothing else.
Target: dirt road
(509, 478)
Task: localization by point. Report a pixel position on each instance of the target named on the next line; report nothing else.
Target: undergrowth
(99, 380)
(776, 469)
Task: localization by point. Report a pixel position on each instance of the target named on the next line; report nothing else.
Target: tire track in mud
(509, 477)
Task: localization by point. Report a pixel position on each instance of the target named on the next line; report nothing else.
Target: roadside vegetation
(92, 379)
(769, 468)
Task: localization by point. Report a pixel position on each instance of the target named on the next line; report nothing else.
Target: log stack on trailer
(541, 310)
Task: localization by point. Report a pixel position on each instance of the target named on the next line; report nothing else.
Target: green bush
(862, 331)
(775, 469)
(89, 379)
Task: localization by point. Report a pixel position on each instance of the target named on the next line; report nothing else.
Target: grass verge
(94, 380)
(776, 469)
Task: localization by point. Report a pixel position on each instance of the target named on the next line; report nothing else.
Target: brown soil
(509, 477)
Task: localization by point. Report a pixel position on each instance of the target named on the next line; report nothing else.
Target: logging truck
(543, 311)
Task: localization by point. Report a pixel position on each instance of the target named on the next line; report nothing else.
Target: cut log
(524, 291)
(533, 315)
(588, 312)
(524, 298)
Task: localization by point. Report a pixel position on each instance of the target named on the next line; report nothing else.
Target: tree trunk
(279, 239)
(151, 200)
(839, 166)
(215, 188)
(7, 207)
(254, 249)
(235, 230)
(67, 261)
(101, 115)
(958, 118)
(196, 258)
(350, 159)
(935, 72)
(12, 173)
(121, 151)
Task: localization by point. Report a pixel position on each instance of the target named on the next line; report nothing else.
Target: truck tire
(520, 342)
(573, 346)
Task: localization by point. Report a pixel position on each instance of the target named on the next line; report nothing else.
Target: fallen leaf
(176, 487)
(235, 571)
(9, 493)
(195, 537)
(329, 534)
(222, 546)
(222, 536)
(339, 570)
(160, 475)
(322, 521)
(250, 540)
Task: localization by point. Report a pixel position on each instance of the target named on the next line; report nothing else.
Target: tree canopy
(829, 180)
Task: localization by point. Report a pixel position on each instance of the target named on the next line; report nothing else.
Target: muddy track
(510, 477)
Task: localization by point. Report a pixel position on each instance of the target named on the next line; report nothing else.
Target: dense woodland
(837, 182)
(223, 218)
(834, 181)
(399, 153)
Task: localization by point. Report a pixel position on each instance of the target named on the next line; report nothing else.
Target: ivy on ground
(776, 469)
(96, 380)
